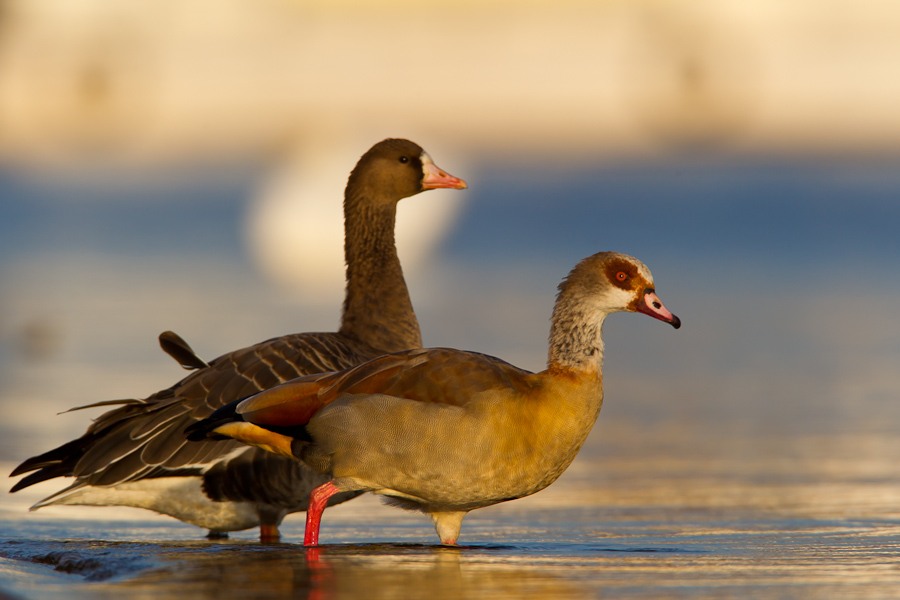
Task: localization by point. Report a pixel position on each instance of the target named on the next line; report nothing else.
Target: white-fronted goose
(137, 454)
(446, 431)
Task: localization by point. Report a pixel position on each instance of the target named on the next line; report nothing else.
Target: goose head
(599, 285)
(609, 282)
(397, 169)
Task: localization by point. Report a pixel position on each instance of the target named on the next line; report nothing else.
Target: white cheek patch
(612, 298)
(622, 297)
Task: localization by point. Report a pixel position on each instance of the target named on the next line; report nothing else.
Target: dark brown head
(395, 168)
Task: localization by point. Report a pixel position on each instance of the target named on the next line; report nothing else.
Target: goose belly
(179, 497)
(442, 456)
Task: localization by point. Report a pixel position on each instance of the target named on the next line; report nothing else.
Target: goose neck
(576, 338)
(377, 307)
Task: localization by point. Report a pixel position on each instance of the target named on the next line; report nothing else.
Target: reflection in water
(369, 571)
(650, 555)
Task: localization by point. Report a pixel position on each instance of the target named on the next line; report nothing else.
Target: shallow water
(673, 513)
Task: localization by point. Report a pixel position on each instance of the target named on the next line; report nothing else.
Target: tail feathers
(43, 475)
(60, 461)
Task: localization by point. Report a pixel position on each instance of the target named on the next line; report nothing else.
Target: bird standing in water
(136, 455)
(446, 431)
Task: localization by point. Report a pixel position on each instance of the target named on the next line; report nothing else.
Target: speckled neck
(576, 335)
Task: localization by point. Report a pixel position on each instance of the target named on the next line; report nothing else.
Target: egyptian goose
(137, 455)
(446, 431)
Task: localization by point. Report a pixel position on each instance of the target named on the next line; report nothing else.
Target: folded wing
(436, 375)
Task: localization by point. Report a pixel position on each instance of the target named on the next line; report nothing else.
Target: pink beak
(653, 306)
(438, 178)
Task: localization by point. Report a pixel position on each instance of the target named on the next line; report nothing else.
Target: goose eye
(621, 276)
(404, 159)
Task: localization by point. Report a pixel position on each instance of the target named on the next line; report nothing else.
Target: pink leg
(317, 501)
(321, 575)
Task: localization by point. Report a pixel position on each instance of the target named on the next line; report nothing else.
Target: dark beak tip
(676, 322)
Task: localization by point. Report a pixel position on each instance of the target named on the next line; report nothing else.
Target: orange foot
(269, 534)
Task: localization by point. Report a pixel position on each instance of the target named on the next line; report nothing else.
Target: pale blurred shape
(295, 227)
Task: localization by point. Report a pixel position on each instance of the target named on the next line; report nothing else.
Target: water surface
(653, 514)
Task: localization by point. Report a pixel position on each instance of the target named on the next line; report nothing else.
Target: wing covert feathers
(437, 375)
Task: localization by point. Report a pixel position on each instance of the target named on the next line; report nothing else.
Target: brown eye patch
(621, 274)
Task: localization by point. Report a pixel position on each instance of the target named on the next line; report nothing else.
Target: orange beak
(436, 177)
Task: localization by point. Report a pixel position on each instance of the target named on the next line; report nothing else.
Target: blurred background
(180, 165)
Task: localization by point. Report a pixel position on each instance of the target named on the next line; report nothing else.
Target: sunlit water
(652, 514)
(751, 454)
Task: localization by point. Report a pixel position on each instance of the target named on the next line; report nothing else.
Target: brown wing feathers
(437, 375)
(128, 442)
